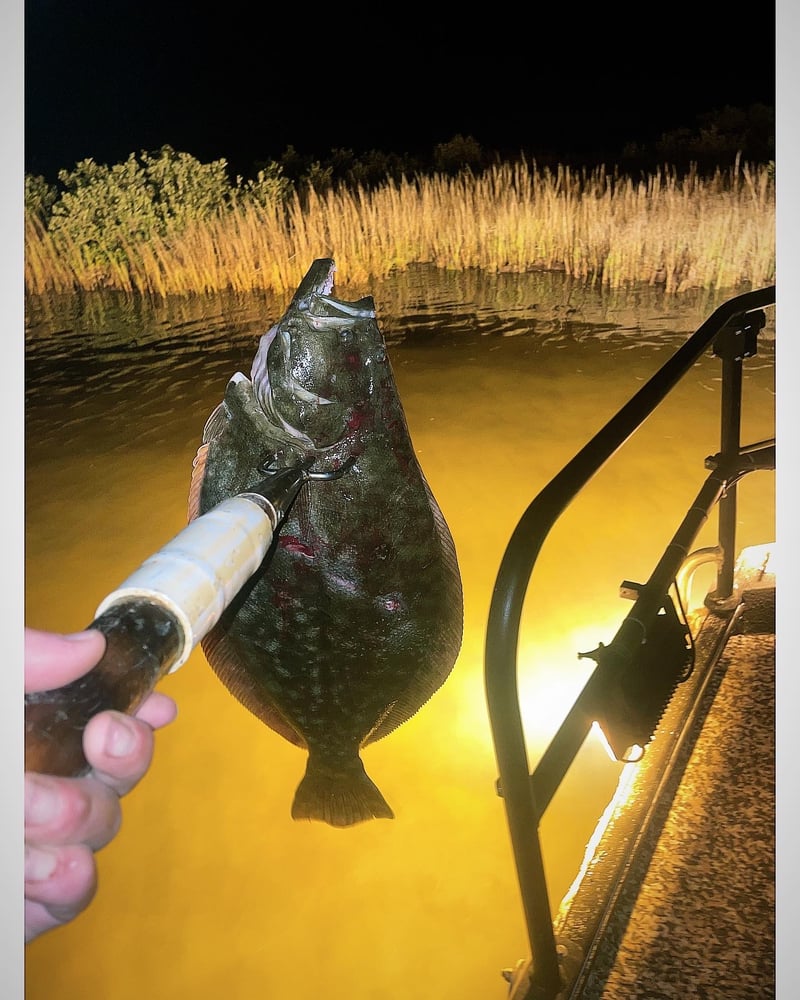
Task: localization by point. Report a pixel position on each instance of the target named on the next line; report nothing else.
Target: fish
(355, 617)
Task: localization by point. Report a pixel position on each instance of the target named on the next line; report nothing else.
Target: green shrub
(318, 177)
(371, 169)
(103, 211)
(716, 139)
(293, 164)
(39, 197)
(459, 153)
(269, 188)
(182, 189)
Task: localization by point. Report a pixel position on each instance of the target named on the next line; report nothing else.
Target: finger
(53, 660)
(69, 811)
(157, 710)
(119, 749)
(60, 882)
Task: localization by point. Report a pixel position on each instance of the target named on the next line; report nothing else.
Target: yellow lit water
(211, 889)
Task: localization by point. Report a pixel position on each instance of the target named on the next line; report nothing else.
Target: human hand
(68, 819)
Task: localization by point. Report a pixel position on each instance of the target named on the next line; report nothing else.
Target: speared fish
(355, 617)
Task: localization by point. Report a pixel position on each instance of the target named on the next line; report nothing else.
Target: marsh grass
(676, 231)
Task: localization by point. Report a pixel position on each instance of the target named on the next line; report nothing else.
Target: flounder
(354, 619)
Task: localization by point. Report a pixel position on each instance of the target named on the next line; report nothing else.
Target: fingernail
(119, 740)
(86, 635)
(39, 864)
(41, 802)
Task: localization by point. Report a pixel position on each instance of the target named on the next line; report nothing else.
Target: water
(210, 888)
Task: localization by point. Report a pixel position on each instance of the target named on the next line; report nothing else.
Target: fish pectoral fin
(340, 795)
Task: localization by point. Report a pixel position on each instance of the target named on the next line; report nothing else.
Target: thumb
(53, 660)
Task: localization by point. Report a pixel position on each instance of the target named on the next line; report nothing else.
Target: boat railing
(732, 331)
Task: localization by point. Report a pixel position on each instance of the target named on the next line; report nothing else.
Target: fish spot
(355, 420)
(390, 602)
(295, 545)
(343, 584)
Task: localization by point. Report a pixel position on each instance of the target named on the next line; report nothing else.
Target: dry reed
(679, 232)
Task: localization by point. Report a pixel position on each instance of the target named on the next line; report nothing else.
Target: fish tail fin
(339, 796)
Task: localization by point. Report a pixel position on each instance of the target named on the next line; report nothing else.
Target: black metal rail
(732, 329)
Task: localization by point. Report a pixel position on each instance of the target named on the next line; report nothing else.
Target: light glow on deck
(623, 791)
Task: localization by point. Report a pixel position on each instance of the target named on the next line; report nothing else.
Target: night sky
(243, 81)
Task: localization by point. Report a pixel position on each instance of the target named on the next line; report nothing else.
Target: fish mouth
(300, 356)
(317, 282)
(319, 308)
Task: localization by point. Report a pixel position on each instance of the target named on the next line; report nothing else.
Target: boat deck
(692, 911)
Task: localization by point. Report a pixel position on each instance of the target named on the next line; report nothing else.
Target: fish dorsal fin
(198, 472)
(216, 422)
(213, 428)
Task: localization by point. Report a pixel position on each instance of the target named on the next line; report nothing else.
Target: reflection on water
(211, 889)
